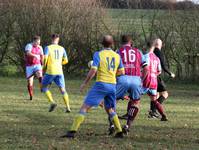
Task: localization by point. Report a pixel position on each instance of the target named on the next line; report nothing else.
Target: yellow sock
(49, 96)
(77, 122)
(116, 123)
(66, 101)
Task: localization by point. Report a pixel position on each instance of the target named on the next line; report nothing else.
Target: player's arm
(145, 66)
(65, 58)
(143, 60)
(45, 58)
(92, 72)
(120, 70)
(162, 62)
(159, 69)
(89, 77)
(42, 56)
(28, 49)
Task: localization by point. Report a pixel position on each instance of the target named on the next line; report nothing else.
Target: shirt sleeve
(46, 51)
(28, 48)
(143, 59)
(121, 66)
(146, 60)
(65, 57)
(65, 54)
(96, 61)
(118, 52)
(162, 62)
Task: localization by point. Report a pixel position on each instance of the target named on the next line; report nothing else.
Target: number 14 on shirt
(111, 63)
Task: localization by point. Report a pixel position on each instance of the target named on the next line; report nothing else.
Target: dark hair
(125, 39)
(54, 36)
(107, 41)
(36, 37)
(149, 43)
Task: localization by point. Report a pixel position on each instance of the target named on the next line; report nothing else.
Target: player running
(54, 57)
(162, 91)
(106, 64)
(34, 61)
(150, 74)
(130, 83)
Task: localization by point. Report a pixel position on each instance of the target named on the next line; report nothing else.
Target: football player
(54, 57)
(106, 64)
(34, 61)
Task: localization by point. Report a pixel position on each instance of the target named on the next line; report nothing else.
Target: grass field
(27, 125)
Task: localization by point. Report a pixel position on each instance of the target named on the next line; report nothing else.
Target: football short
(31, 70)
(99, 92)
(129, 84)
(161, 85)
(150, 92)
(58, 79)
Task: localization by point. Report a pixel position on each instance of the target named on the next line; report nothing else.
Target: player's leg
(134, 86)
(158, 106)
(60, 82)
(79, 119)
(47, 80)
(121, 90)
(66, 99)
(30, 81)
(93, 98)
(135, 92)
(30, 78)
(153, 111)
(163, 96)
(110, 107)
(38, 72)
(132, 113)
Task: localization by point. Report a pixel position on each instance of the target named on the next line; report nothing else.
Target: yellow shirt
(54, 57)
(107, 62)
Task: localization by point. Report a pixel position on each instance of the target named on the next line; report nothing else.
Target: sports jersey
(132, 60)
(107, 62)
(54, 57)
(37, 50)
(154, 68)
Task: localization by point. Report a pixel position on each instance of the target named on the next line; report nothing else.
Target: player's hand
(173, 75)
(82, 87)
(37, 56)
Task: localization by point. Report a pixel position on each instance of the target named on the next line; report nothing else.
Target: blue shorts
(99, 92)
(149, 91)
(58, 79)
(31, 70)
(129, 84)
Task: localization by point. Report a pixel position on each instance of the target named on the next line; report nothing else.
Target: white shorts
(31, 70)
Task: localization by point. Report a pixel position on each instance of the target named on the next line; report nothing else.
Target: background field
(26, 124)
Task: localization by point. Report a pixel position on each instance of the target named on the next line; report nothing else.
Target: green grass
(27, 125)
(130, 20)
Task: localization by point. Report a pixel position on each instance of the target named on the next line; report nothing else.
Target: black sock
(161, 99)
(153, 107)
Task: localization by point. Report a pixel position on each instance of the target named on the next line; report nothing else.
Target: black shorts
(161, 85)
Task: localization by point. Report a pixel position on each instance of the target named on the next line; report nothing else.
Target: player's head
(151, 45)
(158, 43)
(107, 41)
(55, 38)
(36, 40)
(126, 39)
